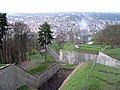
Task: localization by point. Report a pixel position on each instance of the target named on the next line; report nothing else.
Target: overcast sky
(40, 6)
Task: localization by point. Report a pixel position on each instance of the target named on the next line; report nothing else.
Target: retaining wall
(7, 79)
(107, 60)
(13, 77)
(73, 57)
(53, 53)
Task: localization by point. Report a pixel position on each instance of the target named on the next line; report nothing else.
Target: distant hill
(85, 22)
(107, 16)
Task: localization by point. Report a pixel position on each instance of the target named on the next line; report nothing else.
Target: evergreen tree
(44, 36)
(3, 30)
(3, 27)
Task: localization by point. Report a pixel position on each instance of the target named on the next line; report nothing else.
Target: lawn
(115, 53)
(2, 65)
(54, 46)
(89, 48)
(43, 65)
(102, 78)
(82, 48)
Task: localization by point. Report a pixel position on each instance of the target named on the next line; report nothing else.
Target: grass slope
(82, 48)
(115, 53)
(97, 81)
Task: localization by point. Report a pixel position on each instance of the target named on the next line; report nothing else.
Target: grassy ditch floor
(102, 77)
(43, 65)
(24, 88)
(68, 66)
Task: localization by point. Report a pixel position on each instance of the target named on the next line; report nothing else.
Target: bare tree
(110, 35)
(20, 41)
(60, 38)
(71, 36)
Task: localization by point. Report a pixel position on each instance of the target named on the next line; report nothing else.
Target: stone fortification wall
(107, 60)
(53, 53)
(73, 57)
(13, 77)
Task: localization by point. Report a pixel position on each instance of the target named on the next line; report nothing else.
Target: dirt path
(29, 64)
(55, 82)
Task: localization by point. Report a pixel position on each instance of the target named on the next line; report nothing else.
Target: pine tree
(44, 36)
(3, 29)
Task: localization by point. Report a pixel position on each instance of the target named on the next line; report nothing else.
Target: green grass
(106, 81)
(115, 53)
(54, 46)
(82, 48)
(77, 79)
(23, 88)
(68, 66)
(2, 65)
(90, 48)
(97, 81)
(43, 65)
(69, 46)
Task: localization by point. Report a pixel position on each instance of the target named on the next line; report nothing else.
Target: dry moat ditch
(56, 80)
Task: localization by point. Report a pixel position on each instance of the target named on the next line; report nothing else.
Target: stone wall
(7, 80)
(107, 60)
(25, 78)
(13, 77)
(73, 57)
(53, 53)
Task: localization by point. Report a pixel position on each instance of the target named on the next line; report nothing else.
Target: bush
(33, 52)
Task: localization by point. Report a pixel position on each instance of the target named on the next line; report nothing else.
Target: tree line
(14, 41)
(17, 41)
(110, 35)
